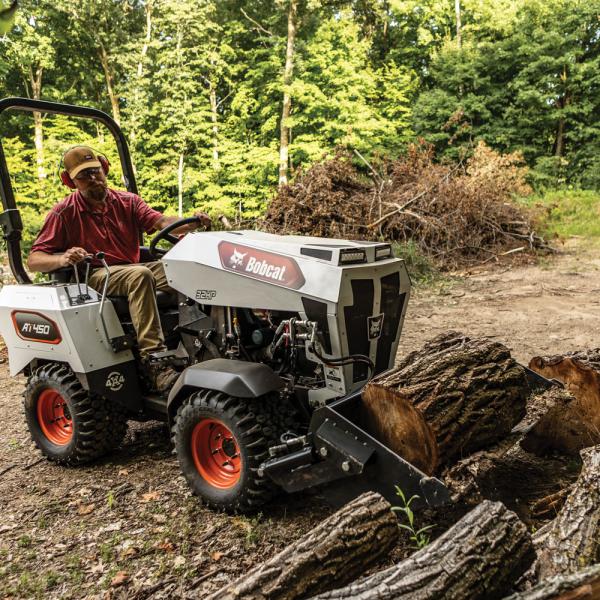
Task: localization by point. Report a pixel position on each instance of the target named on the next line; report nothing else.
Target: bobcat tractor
(274, 337)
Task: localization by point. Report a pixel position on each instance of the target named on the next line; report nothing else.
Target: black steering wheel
(165, 234)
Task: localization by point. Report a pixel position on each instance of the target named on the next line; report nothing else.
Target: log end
(395, 422)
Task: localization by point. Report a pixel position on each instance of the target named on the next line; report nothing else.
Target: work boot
(161, 376)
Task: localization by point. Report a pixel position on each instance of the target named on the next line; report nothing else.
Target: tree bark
(284, 134)
(471, 392)
(509, 474)
(180, 185)
(573, 540)
(114, 100)
(479, 557)
(35, 78)
(214, 116)
(582, 585)
(575, 423)
(336, 552)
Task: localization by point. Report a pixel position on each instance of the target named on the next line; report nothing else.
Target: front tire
(67, 424)
(220, 442)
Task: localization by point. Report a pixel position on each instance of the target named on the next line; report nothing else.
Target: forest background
(222, 101)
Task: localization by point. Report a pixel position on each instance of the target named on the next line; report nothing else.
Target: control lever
(100, 257)
(81, 297)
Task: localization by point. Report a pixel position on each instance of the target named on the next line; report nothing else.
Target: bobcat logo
(236, 259)
(375, 325)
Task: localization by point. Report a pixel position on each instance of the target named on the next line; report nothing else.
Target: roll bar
(10, 219)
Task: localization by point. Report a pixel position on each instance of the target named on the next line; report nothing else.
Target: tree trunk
(214, 116)
(136, 108)
(573, 540)
(525, 483)
(458, 24)
(576, 422)
(479, 557)
(471, 393)
(38, 130)
(180, 185)
(336, 552)
(287, 98)
(114, 100)
(582, 585)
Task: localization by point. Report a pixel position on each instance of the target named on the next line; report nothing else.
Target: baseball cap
(78, 158)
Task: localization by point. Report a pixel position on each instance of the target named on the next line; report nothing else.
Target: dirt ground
(127, 527)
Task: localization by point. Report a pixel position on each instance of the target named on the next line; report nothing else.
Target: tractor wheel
(220, 442)
(67, 424)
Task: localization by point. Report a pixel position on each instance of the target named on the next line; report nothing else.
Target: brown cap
(78, 158)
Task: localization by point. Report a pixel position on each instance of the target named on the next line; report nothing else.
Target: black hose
(342, 361)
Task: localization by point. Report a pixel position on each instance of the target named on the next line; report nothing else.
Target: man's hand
(204, 220)
(72, 256)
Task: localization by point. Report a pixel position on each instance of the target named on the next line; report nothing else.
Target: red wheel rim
(216, 454)
(54, 418)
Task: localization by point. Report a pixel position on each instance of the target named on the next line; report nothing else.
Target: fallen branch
(582, 585)
(573, 540)
(336, 552)
(478, 558)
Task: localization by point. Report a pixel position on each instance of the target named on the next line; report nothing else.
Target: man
(96, 218)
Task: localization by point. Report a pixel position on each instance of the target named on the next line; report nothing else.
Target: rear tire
(67, 424)
(220, 442)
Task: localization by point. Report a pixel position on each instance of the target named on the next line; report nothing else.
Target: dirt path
(127, 526)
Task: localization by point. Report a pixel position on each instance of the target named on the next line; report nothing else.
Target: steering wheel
(165, 234)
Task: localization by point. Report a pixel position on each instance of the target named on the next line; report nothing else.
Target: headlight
(383, 252)
(352, 256)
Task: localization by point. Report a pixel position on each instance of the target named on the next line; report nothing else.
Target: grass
(420, 267)
(568, 213)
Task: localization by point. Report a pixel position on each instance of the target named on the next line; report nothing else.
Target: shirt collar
(83, 206)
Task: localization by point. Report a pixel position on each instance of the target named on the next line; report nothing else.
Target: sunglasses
(88, 173)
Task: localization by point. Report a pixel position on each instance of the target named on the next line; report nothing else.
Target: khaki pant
(138, 283)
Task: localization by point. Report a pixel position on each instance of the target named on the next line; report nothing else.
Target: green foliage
(418, 536)
(197, 86)
(568, 212)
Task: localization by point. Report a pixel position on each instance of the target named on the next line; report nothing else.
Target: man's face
(92, 184)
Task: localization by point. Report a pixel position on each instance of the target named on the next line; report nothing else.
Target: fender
(234, 377)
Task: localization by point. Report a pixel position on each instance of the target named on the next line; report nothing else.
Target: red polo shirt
(114, 230)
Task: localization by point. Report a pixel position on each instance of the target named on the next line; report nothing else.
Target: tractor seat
(164, 300)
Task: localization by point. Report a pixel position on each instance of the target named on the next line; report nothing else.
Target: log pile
(516, 460)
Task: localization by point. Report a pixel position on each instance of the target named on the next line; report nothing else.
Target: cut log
(509, 474)
(479, 557)
(574, 423)
(582, 585)
(336, 552)
(471, 392)
(573, 540)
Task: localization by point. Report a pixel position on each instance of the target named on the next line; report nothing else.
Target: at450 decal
(259, 264)
(35, 327)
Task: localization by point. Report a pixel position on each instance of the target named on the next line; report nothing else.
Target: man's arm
(164, 221)
(44, 263)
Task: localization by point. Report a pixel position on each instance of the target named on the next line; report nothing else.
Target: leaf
(85, 509)
(216, 555)
(166, 546)
(119, 579)
(150, 497)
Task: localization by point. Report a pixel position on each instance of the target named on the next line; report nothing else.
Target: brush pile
(458, 214)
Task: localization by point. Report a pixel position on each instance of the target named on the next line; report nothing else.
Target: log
(470, 391)
(509, 474)
(573, 539)
(574, 424)
(337, 551)
(479, 557)
(582, 585)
